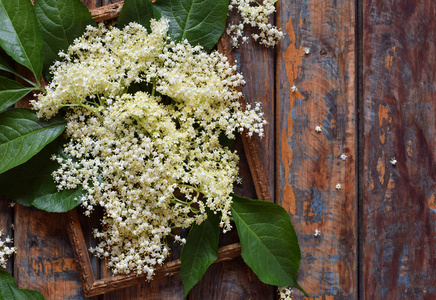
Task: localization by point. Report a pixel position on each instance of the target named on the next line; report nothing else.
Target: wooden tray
(93, 287)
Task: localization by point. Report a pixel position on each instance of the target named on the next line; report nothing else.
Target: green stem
(153, 89)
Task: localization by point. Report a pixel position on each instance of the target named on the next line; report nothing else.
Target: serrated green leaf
(200, 251)
(19, 34)
(11, 92)
(10, 291)
(60, 22)
(22, 135)
(201, 22)
(40, 190)
(139, 11)
(269, 244)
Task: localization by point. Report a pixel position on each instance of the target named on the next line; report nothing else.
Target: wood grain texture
(399, 212)
(44, 259)
(234, 280)
(308, 163)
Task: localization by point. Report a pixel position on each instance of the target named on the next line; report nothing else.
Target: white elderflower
(318, 129)
(151, 158)
(317, 233)
(306, 50)
(343, 157)
(285, 293)
(294, 88)
(338, 186)
(5, 249)
(393, 161)
(255, 14)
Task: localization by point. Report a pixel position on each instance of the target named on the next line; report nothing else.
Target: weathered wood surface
(399, 206)
(235, 280)
(308, 163)
(397, 217)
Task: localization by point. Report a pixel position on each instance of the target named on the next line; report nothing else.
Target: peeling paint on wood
(308, 163)
(399, 80)
(399, 202)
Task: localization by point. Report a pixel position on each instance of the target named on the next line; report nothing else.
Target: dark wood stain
(399, 215)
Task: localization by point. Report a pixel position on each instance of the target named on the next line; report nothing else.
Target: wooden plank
(308, 163)
(233, 279)
(399, 208)
(44, 259)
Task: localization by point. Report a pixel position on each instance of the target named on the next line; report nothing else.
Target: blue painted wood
(316, 63)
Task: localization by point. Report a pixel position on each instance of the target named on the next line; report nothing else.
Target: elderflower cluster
(285, 293)
(256, 15)
(5, 249)
(144, 119)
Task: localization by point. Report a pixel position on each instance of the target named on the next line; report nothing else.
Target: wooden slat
(44, 259)
(308, 163)
(234, 280)
(399, 212)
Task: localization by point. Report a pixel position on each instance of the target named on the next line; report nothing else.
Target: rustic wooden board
(44, 259)
(399, 208)
(308, 163)
(233, 279)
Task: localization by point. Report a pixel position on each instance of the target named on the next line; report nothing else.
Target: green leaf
(19, 34)
(10, 291)
(40, 190)
(11, 92)
(269, 244)
(199, 21)
(60, 22)
(59, 202)
(200, 251)
(139, 11)
(22, 135)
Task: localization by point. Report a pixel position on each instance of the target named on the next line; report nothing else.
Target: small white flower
(306, 50)
(317, 233)
(343, 157)
(11, 204)
(338, 186)
(393, 161)
(294, 88)
(318, 129)
(285, 293)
